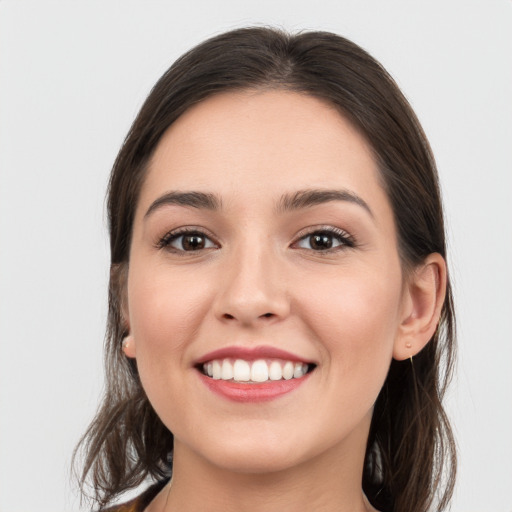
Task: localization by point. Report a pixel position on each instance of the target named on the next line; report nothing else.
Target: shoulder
(139, 503)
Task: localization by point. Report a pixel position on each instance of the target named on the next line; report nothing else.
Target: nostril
(228, 316)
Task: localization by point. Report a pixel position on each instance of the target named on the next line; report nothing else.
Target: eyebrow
(308, 198)
(192, 199)
(288, 202)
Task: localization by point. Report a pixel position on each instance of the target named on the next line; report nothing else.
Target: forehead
(260, 143)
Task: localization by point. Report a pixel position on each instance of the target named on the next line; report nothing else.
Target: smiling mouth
(254, 372)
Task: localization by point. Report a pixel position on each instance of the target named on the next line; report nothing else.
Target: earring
(409, 345)
(127, 342)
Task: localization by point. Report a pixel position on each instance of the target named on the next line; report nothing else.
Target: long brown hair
(410, 458)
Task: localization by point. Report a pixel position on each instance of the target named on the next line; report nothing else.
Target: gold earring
(409, 345)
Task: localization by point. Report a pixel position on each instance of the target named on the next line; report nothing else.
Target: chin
(250, 453)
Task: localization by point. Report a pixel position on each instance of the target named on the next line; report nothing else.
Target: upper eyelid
(190, 229)
(348, 240)
(172, 234)
(322, 228)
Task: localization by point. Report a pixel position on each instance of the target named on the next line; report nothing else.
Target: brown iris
(193, 242)
(320, 241)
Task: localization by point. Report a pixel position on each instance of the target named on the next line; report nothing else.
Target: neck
(329, 482)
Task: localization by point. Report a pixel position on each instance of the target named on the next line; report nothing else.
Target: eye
(186, 241)
(325, 240)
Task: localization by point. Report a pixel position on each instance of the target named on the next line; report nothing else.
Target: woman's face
(264, 244)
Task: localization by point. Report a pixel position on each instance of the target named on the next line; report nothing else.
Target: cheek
(166, 309)
(354, 319)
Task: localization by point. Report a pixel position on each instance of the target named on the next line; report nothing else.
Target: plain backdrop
(73, 74)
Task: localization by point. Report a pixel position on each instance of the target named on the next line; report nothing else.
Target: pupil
(193, 242)
(321, 241)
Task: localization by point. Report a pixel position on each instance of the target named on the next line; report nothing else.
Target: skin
(258, 281)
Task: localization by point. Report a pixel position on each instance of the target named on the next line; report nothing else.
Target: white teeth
(227, 370)
(288, 370)
(241, 371)
(260, 370)
(217, 370)
(275, 372)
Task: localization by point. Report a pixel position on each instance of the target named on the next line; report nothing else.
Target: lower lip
(263, 392)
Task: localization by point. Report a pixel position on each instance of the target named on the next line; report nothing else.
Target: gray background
(72, 77)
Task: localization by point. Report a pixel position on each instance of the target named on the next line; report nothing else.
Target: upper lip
(251, 354)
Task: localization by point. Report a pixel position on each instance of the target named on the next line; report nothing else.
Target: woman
(281, 328)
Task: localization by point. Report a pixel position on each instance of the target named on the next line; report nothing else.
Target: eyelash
(166, 241)
(345, 240)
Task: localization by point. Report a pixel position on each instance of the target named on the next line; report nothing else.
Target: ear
(423, 300)
(119, 290)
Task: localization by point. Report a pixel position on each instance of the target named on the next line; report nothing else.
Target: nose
(253, 290)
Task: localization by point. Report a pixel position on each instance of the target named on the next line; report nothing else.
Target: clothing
(139, 503)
